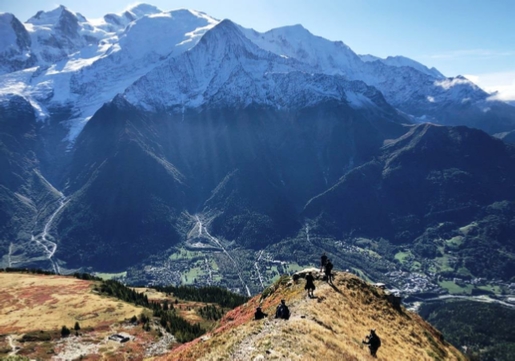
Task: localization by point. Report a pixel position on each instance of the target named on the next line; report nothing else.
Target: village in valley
(203, 262)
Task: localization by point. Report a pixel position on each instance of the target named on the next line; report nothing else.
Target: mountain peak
(226, 33)
(51, 17)
(228, 24)
(5, 17)
(331, 324)
(289, 31)
(295, 27)
(143, 9)
(12, 29)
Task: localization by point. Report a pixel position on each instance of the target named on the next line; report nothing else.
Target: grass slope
(31, 302)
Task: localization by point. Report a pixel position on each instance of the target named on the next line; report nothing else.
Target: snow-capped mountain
(228, 70)
(60, 61)
(424, 94)
(78, 65)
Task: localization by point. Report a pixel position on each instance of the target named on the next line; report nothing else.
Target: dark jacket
(373, 340)
(282, 311)
(310, 285)
(259, 314)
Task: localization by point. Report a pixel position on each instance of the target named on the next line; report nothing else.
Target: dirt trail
(13, 346)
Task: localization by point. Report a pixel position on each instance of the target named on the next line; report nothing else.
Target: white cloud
(430, 99)
(501, 84)
(472, 53)
(449, 83)
(473, 78)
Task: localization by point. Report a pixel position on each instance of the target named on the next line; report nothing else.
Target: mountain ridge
(102, 40)
(330, 325)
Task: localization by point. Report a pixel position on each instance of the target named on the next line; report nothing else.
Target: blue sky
(475, 38)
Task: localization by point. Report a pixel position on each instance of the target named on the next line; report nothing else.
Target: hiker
(323, 261)
(327, 271)
(373, 341)
(282, 311)
(259, 314)
(310, 285)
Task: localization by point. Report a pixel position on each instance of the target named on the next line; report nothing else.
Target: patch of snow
(75, 126)
(141, 10)
(172, 33)
(40, 111)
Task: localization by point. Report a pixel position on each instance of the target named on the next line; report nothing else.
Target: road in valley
(257, 269)
(9, 260)
(43, 240)
(219, 244)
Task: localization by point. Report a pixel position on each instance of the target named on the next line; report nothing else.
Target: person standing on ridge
(323, 261)
(310, 285)
(373, 341)
(328, 271)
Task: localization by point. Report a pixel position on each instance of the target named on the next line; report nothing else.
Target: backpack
(279, 311)
(375, 341)
(286, 313)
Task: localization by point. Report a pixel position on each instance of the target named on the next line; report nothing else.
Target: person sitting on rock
(282, 311)
(259, 314)
(310, 285)
(373, 341)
